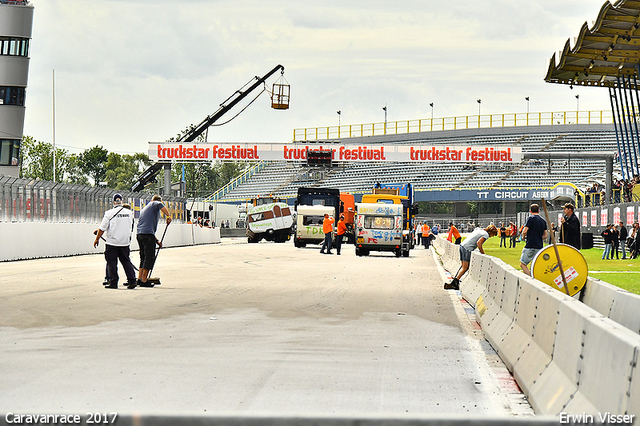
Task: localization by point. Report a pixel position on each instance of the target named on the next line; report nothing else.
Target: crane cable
(264, 89)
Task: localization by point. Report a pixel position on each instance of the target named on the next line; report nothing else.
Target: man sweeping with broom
(147, 226)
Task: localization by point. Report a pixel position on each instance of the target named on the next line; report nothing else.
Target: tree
(36, 160)
(74, 173)
(93, 163)
(122, 171)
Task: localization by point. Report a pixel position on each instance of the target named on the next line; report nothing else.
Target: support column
(609, 178)
(167, 179)
(461, 209)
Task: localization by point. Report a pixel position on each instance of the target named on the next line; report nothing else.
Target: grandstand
(283, 178)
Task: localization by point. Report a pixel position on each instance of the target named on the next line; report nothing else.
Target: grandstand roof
(608, 50)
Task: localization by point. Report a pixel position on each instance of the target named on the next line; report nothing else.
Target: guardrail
(235, 183)
(565, 355)
(452, 123)
(30, 200)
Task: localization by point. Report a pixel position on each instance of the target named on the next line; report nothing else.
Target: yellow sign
(545, 268)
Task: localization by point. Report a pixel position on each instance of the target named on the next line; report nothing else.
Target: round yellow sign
(544, 267)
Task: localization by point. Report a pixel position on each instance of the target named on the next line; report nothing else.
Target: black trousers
(112, 254)
(147, 244)
(338, 243)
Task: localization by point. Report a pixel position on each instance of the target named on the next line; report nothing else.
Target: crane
(150, 174)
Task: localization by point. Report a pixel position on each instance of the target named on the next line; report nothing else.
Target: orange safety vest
(327, 225)
(426, 230)
(342, 227)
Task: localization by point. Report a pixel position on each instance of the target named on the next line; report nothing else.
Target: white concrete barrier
(613, 302)
(609, 358)
(567, 356)
(38, 240)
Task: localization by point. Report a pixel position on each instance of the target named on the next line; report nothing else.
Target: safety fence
(452, 123)
(29, 200)
(567, 356)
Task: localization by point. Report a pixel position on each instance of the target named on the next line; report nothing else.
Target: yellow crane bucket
(280, 94)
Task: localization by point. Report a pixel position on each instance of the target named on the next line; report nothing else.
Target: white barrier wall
(36, 240)
(567, 356)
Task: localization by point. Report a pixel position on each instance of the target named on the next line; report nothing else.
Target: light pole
(431, 105)
(527, 99)
(577, 102)
(339, 114)
(53, 79)
(384, 108)
(479, 104)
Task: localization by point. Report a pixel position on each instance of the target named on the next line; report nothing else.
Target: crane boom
(150, 174)
(225, 107)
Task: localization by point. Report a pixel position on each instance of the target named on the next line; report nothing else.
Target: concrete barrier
(567, 356)
(613, 302)
(40, 240)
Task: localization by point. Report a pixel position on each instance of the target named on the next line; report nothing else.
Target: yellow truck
(376, 219)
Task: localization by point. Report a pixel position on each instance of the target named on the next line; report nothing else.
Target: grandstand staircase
(517, 168)
(467, 179)
(318, 183)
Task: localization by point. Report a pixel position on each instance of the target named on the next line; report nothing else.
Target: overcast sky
(129, 72)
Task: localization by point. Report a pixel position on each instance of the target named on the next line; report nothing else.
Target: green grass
(622, 273)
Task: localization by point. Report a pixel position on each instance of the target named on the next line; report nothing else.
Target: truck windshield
(378, 222)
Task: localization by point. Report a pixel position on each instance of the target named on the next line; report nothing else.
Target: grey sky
(131, 72)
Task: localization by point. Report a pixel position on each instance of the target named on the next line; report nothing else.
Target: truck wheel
(365, 252)
(358, 252)
(398, 252)
(405, 253)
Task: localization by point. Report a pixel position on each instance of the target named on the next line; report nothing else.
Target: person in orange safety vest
(426, 235)
(327, 228)
(342, 229)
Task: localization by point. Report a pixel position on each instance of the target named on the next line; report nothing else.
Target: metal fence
(29, 200)
(453, 123)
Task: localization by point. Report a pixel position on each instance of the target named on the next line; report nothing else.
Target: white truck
(269, 220)
(379, 228)
(309, 224)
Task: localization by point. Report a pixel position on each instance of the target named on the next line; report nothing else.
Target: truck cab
(379, 228)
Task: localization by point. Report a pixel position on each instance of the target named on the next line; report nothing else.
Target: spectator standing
(570, 227)
(419, 233)
(608, 242)
(615, 239)
(513, 235)
(623, 239)
(534, 231)
(552, 232)
(633, 246)
(503, 235)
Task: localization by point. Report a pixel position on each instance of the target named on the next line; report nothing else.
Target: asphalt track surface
(252, 329)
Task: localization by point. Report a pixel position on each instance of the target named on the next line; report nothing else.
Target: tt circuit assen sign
(166, 151)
